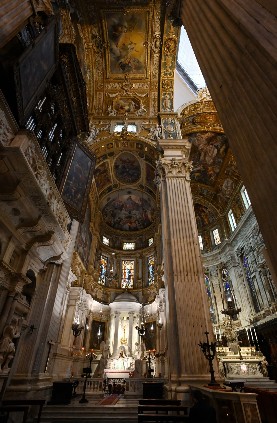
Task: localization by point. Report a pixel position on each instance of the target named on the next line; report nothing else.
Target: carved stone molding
(8, 125)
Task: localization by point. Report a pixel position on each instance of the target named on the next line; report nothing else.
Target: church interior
(138, 224)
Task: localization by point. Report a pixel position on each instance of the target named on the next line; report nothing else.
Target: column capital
(173, 168)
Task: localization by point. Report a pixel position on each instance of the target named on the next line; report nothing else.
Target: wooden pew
(25, 403)
(162, 413)
(6, 410)
(152, 401)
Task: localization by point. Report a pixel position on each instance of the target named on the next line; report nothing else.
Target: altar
(116, 374)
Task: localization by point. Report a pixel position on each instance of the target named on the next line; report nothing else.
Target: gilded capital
(174, 168)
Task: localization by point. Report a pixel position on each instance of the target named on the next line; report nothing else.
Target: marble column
(131, 328)
(116, 327)
(187, 304)
(235, 45)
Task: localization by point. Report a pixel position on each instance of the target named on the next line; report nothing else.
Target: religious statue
(7, 347)
(155, 133)
(92, 134)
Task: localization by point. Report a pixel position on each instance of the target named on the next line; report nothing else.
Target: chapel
(138, 197)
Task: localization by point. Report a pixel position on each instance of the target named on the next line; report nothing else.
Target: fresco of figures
(127, 168)
(129, 210)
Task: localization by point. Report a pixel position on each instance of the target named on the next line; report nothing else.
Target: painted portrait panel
(127, 36)
(84, 238)
(124, 105)
(150, 176)
(102, 176)
(208, 152)
(129, 211)
(150, 336)
(127, 168)
(97, 334)
(77, 183)
(204, 216)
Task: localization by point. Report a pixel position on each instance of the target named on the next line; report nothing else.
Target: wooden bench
(25, 403)
(6, 410)
(162, 413)
(153, 401)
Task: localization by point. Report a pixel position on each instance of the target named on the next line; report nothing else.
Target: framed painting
(84, 238)
(34, 69)
(150, 335)
(97, 334)
(127, 38)
(77, 181)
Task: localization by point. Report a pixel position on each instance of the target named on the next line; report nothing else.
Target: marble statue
(7, 347)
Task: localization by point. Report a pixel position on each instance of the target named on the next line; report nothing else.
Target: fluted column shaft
(235, 44)
(187, 305)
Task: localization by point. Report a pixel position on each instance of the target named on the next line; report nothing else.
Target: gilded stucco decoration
(113, 41)
(214, 179)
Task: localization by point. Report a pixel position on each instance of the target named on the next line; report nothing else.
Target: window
(228, 291)
(150, 269)
(150, 241)
(103, 270)
(216, 237)
(188, 61)
(245, 198)
(210, 299)
(130, 127)
(200, 242)
(106, 240)
(129, 245)
(232, 220)
(127, 280)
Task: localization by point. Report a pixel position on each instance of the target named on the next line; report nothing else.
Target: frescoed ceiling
(127, 50)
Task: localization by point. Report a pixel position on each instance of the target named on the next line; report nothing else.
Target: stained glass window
(228, 290)
(210, 297)
(151, 269)
(103, 270)
(127, 280)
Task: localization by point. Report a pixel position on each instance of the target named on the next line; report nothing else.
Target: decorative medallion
(127, 168)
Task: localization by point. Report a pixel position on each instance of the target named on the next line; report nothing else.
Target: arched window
(127, 280)
(103, 270)
(245, 198)
(150, 270)
(232, 220)
(210, 298)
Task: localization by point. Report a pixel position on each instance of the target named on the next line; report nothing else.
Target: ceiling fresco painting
(127, 36)
(150, 176)
(208, 152)
(204, 216)
(129, 210)
(124, 105)
(102, 176)
(127, 168)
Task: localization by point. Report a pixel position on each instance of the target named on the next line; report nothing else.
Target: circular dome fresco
(127, 168)
(129, 210)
